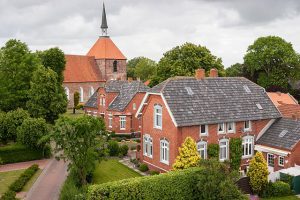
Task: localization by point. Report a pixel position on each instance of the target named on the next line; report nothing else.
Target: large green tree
(77, 139)
(141, 67)
(184, 60)
(45, 97)
(17, 65)
(236, 70)
(272, 61)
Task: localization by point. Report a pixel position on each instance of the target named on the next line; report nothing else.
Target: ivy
(213, 151)
(236, 151)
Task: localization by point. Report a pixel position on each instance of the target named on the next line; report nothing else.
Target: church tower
(109, 58)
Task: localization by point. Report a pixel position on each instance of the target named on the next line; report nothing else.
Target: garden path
(23, 165)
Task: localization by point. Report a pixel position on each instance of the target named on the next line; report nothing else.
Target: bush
(277, 189)
(143, 167)
(235, 152)
(180, 184)
(71, 189)
(123, 136)
(133, 148)
(113, 148)
(9, 195)
(152, 173)
(18, 184)
(19, 153)
(3, 129)
(213, 151)
(79, 106)
(123, 150)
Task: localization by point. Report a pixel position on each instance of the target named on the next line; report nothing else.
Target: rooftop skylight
(259, 106)
(283, 133)
(189, 90)
(247, 89)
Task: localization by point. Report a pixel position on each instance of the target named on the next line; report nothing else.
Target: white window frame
(148, 146)
(110, 121)
(202, 148)
(226, 146)
(206, 130)
(122, 122)
(279, 163)
(233, 127)
(103, 101)
(67, 90)
(223, 131)
(157, 115)
(249, 128)
(270, 154)
(248, 141)
(164, 151)
(91, 92)
(81, 93)
(134, 106)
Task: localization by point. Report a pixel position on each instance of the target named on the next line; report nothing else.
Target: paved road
(23, 165)
(47, 186)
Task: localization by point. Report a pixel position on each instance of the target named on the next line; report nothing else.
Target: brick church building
(103, 62)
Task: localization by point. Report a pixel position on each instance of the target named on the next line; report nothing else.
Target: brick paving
(23, 165)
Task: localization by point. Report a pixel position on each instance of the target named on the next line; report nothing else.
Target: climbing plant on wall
(236, 151)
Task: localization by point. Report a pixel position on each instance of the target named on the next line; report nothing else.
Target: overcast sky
(150, 27)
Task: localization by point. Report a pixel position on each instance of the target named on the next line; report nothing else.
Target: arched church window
(115, 66)
(81, 94)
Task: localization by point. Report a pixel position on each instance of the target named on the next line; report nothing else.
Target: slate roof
(126, 90)
(92, 102)
(215, 100)
(288, 141)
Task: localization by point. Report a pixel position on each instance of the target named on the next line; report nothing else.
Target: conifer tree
(188, 155)
(258, 172)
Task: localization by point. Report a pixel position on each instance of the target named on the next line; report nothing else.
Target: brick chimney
(213, 72)
(200, 74)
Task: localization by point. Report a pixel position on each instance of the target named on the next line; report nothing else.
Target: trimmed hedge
(19, 153)
(9, 195)
(18, 184)
(181, 184)
(277, 189)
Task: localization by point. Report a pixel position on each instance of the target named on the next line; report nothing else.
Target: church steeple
(104, 26)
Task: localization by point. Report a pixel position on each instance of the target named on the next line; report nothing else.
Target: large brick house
(85, 73)
(208, 109)
(117, 102)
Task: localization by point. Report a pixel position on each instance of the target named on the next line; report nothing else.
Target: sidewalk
(23, 165)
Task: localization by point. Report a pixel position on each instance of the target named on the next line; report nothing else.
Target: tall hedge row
(178, 184)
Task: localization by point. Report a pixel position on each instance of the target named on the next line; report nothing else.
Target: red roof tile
(281, 98)
(289, 110)
(104, 48)
(81, 69)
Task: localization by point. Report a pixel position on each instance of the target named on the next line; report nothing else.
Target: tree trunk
(73, 110)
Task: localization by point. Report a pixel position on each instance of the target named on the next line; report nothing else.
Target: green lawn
(282, 198)
(78, 113)
(112, 170)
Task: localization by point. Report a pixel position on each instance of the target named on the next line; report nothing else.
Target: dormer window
(115, 66)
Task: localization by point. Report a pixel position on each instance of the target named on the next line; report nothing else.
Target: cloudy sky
(150, 27)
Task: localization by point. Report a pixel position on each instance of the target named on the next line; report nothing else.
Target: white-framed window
(103, 101)
(221, 128)
(281, 161)
(164, 151)
(67, 92)
(248, 145)
(230, 127)
(158, 116)
(270, 159)
(203, 130)
(247, 125)
(202, 149)
(91, 91)
(110, 121)
(224, 149)
(81, 94)
(122, 122)
(134, 106)
(148, 146)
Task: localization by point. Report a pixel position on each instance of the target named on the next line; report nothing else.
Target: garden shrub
(213, 151)
(18, 153)
(31, 131)
(18, 184)
(9, 195)
(180, 184)
(287, 179)
(3, 129)
(277, 189)
(152, 173)
(235, 149)
(113, 148)
(133, 148)
(143, 167)
(123, 150)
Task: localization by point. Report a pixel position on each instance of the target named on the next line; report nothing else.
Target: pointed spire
(104, 26)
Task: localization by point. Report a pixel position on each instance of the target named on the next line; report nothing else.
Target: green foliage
(272, 61)
(184, 60)
(17, 65)
(19, 153)
(76, 99)
(258, 172)
(180, 184)
(47, 98)
(3, 129)
(213, 151)
(77, 139)
(18, 184)
(216, 181)
(144, 69)
(143, 167)
(277, 189)
(113, 148)
(31, 131)
(9, 195)
(235, 70)
(123, 151)
(188, 155)
(152, 173)
(236, 152)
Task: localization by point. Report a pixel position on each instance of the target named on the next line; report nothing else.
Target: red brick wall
(295, 157)
(106, 68)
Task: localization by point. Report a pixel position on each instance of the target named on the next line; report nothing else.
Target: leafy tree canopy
(141, 67)
(235, 70)
(184, 60)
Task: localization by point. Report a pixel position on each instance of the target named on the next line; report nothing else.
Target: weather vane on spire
(104, 26)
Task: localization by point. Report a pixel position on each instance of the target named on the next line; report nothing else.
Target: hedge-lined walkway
(23, 165)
